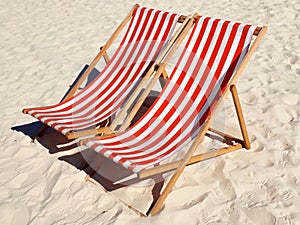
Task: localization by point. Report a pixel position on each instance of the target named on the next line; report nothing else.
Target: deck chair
(206, 71)
(79, 113)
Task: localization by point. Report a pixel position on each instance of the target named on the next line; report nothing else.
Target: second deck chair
(148, 32)
(215, 54)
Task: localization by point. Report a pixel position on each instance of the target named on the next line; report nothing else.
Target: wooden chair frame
(190, 158)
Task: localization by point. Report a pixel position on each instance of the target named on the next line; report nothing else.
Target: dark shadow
(29, 129)
(50, 141)
(93, 74)
(145, 106)
(33, 128)
(108, 173)
(159, 183)
(220, 138)
(79, 159)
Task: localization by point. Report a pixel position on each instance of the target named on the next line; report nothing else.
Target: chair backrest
(204, 68)
(149, 30)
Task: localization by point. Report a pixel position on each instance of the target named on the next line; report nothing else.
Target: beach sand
(43, 47)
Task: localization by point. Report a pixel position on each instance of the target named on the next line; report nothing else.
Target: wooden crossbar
(75, 134)
(195, 159)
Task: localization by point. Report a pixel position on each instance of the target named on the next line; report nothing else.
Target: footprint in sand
(196, 201)
(277, 193)
(282, 114)
(294, 59)
(260, 216)
(189, 196)
(290, 99)
(16, 214)
(248, 98)
(257, 146)
(225, 191)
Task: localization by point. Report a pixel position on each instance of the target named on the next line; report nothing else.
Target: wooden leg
(240, 116)
(175, 177)
(105, 56)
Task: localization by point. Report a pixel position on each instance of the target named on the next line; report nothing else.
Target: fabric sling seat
(147, 34)
(203, 75)
(196, 83)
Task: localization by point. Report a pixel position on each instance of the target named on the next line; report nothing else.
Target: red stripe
(180, 79)
(203, 118)
(136, 27)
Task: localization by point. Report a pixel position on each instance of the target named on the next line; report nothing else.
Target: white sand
(44, 45)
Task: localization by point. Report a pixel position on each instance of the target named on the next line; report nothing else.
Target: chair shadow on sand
(108, 174)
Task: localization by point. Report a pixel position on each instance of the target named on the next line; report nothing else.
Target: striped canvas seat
(148, 32)
(212, 53)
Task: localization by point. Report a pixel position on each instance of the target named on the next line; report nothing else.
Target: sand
(43, 47)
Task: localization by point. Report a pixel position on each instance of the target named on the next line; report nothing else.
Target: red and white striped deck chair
(206, 71)
(148, 32)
